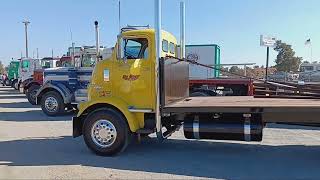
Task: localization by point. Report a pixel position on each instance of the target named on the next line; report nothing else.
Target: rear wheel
(31, 94)
(106, 132)
(52, 103)
(7, 82)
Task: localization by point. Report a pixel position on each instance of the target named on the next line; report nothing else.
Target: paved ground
(33, 145)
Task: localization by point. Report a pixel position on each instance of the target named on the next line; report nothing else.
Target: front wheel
(31, 94)
(106, 132)
(7, 82)
(52, 103)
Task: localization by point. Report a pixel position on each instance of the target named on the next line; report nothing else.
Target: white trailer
(208, 54)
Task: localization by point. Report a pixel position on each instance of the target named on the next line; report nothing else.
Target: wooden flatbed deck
(273, 110)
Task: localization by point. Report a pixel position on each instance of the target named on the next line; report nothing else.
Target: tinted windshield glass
(136, 48)
(25, 64)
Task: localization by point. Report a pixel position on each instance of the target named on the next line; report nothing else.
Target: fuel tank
(240, 127)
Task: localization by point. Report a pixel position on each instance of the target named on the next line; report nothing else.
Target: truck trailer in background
(207, 82)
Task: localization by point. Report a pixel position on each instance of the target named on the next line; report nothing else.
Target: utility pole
(119, 16)
(26, 23)
(37, 53)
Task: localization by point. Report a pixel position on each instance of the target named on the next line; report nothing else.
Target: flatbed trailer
(272, 110)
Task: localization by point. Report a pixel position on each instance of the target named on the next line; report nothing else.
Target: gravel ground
(34, 146)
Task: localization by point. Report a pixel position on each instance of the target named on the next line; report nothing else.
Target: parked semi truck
(64, 87)
(13, 74)
(26, 70)
(138, 91)
(31, 86)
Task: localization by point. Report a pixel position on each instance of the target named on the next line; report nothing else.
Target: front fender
(62, 89)
(27, 85)
(135, 120)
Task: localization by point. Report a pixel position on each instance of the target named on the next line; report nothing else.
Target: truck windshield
(25, 64)
(46, 64)
(136, 48)
(88, 60)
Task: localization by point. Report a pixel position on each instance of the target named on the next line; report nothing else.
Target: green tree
(235, 70)
(2, 70)
(286, 60)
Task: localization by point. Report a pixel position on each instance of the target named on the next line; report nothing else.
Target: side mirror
(121, 48)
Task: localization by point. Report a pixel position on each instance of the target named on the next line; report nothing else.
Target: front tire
(7, 82)
(52, 103)
(31, 94)
(13, 83)
(106, 132)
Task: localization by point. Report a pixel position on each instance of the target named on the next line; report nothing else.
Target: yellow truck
(123, 96)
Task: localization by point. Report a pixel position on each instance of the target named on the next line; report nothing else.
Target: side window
(136, 48)
(25, 64)
(165, 46)
(172, 48)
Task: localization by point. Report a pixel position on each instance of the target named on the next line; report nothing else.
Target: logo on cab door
(130, 77)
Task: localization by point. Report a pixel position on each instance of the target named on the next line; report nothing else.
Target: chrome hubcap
(103, 133)
(51, 104)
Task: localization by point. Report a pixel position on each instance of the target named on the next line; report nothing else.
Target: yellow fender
(135, 120)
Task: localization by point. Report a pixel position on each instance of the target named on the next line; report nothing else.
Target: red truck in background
(31, 87)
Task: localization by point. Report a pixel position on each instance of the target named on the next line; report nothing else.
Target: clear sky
(235, 25)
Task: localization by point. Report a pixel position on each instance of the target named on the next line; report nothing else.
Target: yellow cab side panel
(126, 84)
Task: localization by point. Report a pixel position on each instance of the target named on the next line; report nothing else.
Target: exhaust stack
(182, 30)
(97, 41)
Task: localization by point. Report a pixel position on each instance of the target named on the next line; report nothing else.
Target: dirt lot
(33, 145)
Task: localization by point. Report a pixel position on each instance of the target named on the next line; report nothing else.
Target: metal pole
(96, 24)
(311, 52)
(73, 62)
(245, 70)
(267, 64)
(37, 53)
(26, 35)
(52, 53)
(119, 16)
(182, 30)
(157, 9)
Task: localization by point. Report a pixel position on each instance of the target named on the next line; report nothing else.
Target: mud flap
(77, 126)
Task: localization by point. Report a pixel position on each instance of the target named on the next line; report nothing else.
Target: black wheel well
(31, 84)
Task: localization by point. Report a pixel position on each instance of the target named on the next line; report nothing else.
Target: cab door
(133, 72)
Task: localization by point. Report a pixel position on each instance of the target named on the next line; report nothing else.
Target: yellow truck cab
(121, 94)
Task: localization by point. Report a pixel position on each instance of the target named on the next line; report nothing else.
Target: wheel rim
(103, 133)
(16, 85)
(51, 104)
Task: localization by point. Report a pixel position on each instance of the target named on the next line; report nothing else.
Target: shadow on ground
(17, 105)
(292, 126)
(33, 115)
(179, 157)
(3, 96)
